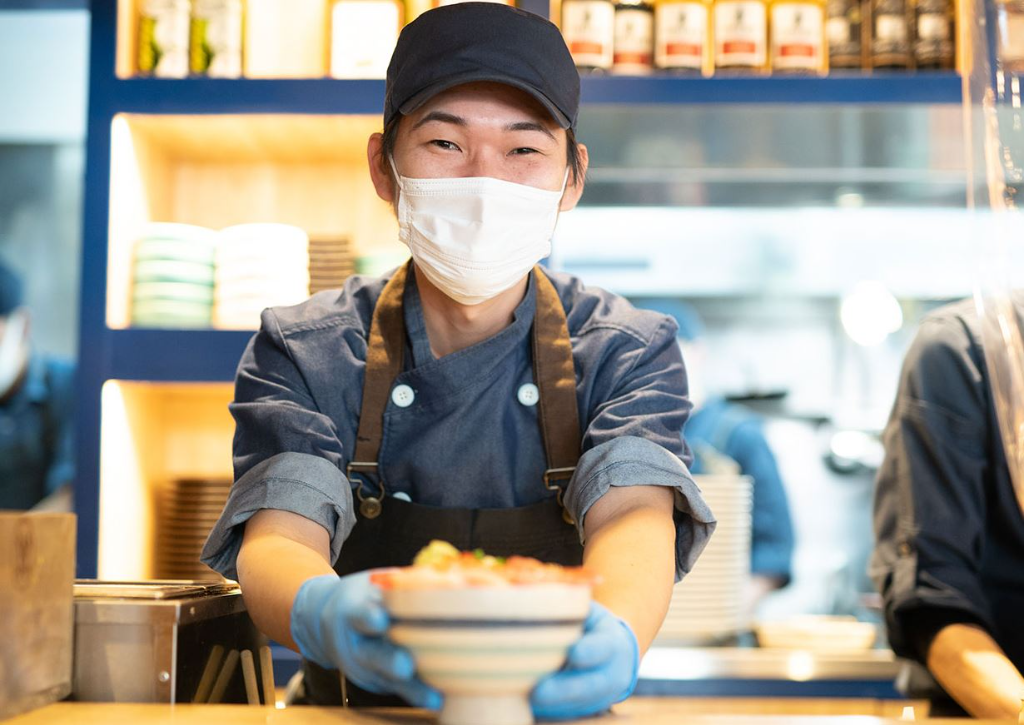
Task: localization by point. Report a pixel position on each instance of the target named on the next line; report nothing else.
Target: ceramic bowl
(485, 648)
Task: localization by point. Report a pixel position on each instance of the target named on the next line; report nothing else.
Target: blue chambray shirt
(37, 434)
(466, 440)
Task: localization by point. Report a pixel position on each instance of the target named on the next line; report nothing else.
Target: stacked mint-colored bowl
(173, 276)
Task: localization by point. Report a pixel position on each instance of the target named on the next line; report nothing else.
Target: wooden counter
(637, 711)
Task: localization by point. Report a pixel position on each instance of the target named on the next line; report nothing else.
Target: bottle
(933, 45)
(633, 44)
(215, 38)
(1010, 55)
(441, 3)
(741, 36)
(843, 34)
(363, 37)
(797, 36)
(286, 39)
(890, 35)
(682, 36)
(163, 38)
(588, 27)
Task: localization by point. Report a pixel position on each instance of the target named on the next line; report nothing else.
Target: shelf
(176, 355)
(919, 88)
(219, 170)
(151, 435)
(331, 96)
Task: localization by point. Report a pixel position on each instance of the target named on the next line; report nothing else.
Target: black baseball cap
(482, 41)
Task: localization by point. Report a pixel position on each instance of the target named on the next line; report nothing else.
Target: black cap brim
(477, 77)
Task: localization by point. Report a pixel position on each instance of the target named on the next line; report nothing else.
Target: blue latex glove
(342, 624)
(601, 670)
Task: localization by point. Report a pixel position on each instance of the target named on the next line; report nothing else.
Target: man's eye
(523, 150)
(446, 145)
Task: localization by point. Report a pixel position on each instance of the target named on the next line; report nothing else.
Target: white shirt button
(528, 394)
(402, 396)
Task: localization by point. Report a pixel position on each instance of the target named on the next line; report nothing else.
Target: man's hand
(600, 671)
(976, 672)
(341, 623)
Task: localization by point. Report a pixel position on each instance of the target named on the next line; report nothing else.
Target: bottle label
(932, 26)
(588, 27)
(634, 41)
(363, 37)
(891, 28)
(837, 30)
(442, 3)
(797, 36)
(1013, 44)
(681, 32)
(741, 37)
(163, 38)
(215, 46)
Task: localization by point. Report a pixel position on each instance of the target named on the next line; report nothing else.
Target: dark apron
(390, 531)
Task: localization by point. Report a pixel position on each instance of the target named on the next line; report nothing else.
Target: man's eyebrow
(529, 126)
(440, 117)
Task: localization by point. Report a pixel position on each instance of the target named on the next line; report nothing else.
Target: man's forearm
(272, 566)
(631, 544)
(972, 668)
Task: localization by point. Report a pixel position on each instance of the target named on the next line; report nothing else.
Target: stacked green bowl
(173, 276)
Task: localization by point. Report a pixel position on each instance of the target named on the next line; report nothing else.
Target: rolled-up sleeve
(930, 490)
(287, 455)
(634, 439)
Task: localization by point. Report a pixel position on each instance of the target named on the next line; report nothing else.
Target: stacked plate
(186, 510)
(259, 266)
(330, 263)
(173, 276)
(709, 603)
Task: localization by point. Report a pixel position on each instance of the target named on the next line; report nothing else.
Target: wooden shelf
(216, 171)
(151, 434)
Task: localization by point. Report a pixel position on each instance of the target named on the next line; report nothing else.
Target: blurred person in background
(949, 552)
(36, 412)
(727, 438)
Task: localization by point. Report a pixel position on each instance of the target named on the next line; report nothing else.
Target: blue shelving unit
(169, 356)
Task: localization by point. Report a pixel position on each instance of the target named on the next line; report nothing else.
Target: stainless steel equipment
(37, 570)
(161, 641)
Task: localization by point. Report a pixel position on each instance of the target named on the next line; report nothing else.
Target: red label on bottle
(682, 49)
(738, 46)
(634, 58)
(796, 51)
(582, 47)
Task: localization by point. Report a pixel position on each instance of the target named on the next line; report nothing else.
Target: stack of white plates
(330, 263)
(259, 266)
(708, 604)
(173, 276)
(187, 509)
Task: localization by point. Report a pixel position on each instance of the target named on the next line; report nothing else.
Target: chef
(36, 412)
(469, 396)
(949, 555)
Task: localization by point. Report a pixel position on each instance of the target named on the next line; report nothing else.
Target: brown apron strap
(384, 350)
(556, 378)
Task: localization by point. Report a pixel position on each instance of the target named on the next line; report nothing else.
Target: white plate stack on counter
(708, 605)
(259, 266)
(173, 276)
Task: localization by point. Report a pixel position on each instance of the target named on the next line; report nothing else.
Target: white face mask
(475, 237)
(13, 351)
